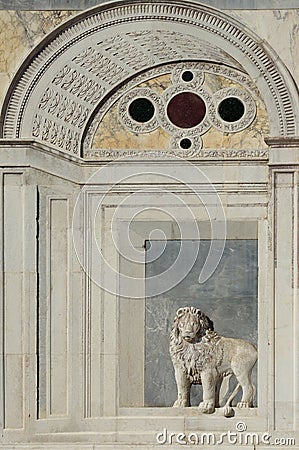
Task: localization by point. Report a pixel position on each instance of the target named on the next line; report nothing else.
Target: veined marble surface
(20, 32)
(279, 28)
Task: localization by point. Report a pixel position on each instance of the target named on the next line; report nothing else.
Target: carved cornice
(282, 142)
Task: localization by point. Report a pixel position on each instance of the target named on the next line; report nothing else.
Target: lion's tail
(227, 409)
(224, 390)
(232, 395)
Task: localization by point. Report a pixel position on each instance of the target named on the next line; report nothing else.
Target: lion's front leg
(208, 380)
(183, 386)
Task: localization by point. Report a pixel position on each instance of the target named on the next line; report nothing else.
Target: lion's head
(191, 324)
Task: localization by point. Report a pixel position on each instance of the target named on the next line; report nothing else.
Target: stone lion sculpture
(200, 356)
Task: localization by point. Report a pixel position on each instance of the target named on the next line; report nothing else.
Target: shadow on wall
(229, 298)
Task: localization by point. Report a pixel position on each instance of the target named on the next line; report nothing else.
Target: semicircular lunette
(177, 120)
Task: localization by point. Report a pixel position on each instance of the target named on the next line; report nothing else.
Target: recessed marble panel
(229, 297)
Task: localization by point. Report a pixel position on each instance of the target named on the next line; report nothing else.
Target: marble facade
(89, 196)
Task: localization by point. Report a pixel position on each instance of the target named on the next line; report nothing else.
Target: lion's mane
(192, 357)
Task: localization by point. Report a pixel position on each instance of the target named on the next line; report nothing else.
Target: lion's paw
(207, 407)
(243, 405)
(179, 403)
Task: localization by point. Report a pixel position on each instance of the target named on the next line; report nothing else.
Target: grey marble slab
(84, 4)
(229, 298)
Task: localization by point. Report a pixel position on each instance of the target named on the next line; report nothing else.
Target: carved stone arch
(57, 90)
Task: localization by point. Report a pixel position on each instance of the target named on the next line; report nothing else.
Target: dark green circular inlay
(231, 109)
(141, 110)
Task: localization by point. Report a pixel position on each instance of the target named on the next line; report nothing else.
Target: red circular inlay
(186, 110)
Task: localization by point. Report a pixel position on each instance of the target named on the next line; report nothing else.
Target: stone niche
(132, 131)
(229, 298)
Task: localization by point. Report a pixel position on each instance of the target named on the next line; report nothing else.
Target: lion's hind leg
(242, 365)
(248, 390)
